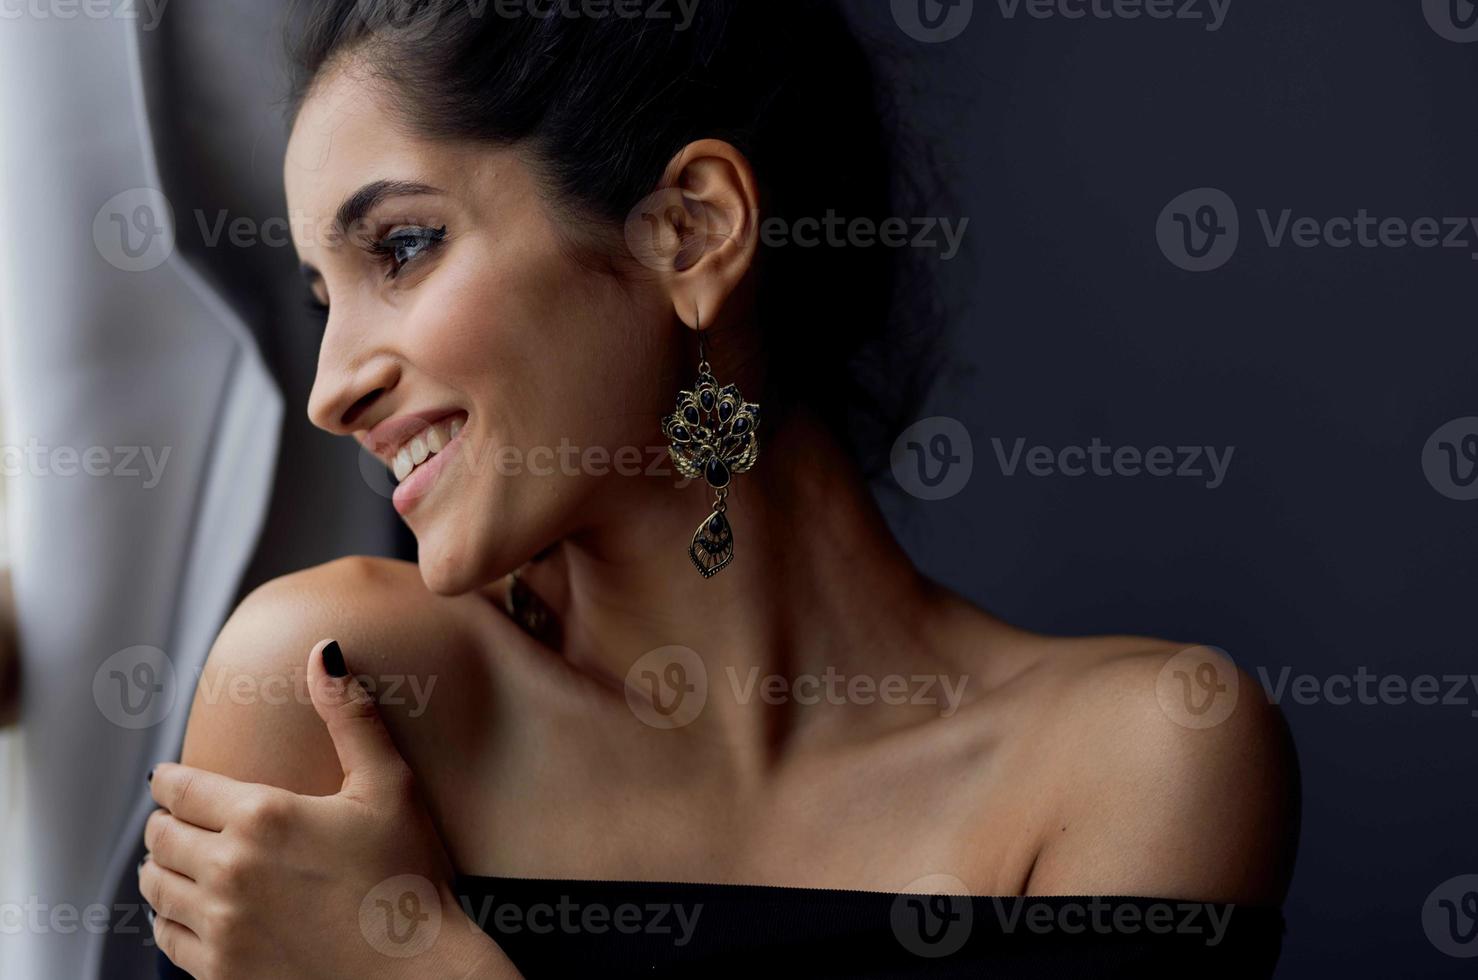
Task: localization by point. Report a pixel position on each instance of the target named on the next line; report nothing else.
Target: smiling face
(465, 343)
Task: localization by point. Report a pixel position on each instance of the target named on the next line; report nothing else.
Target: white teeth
(431, 441)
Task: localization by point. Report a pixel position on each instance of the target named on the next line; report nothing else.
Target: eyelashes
(399, 249)
(394, 252)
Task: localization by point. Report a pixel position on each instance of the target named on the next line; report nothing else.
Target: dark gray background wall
(1325, 550)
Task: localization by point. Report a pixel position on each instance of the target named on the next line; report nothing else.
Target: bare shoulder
(1177, 776)
(252, 717)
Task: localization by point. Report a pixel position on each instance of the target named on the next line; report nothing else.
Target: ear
(699, 230)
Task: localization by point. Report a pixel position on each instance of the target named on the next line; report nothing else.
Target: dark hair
(606, 102)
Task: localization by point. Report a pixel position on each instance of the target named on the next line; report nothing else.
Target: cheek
(547, 350)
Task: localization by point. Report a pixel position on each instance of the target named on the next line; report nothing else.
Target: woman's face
(459, 318)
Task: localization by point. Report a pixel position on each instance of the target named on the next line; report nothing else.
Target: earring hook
(703, 367)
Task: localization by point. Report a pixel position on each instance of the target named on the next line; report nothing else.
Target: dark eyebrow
(364, 200)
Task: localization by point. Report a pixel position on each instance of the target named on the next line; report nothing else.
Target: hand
(248, 880)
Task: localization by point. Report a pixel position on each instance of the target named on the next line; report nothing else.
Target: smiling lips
(404, 444)
(432, 440)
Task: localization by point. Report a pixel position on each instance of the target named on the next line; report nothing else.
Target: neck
(817, 583)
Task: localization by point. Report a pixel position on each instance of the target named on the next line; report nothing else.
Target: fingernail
(333, 660)
(149, 910)
(150, 777)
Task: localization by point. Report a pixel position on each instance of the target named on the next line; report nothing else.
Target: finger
(367, 753)
(171, 895)
(206, 799)
(180, 944)
(179, 846)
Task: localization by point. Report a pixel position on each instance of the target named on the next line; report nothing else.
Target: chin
(444, 571)
(455, 568)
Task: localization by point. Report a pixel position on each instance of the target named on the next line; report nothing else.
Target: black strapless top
(557, 928)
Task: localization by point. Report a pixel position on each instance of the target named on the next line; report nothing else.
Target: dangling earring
(713, 436)
(529, 611)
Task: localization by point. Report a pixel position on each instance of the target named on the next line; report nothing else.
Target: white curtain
(145, 429)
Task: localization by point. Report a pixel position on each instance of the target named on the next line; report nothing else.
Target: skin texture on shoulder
(253, 719)
(1175, 777)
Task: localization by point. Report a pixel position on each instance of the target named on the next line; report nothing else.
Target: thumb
(367, 753)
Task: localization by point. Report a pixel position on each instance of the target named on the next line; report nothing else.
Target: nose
(344, 389)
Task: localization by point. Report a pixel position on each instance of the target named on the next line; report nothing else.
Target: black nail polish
(150, 777)
(333, 660)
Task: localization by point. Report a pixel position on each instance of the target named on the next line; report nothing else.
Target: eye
(399, 249)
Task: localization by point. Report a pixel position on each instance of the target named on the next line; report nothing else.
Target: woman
(717, 722)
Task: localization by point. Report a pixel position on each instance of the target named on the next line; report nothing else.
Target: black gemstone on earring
(717, 473)
(711, 436)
